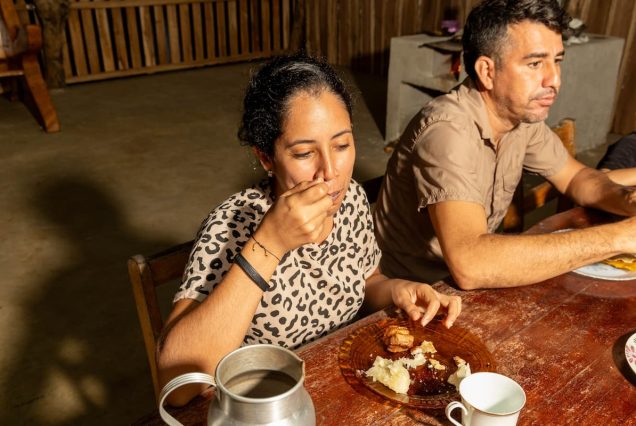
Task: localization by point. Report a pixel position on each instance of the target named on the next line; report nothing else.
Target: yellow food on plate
(623, 261)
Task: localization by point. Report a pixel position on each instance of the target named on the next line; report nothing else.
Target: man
(453, 173)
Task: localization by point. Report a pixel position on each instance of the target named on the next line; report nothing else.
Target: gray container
(255, 385)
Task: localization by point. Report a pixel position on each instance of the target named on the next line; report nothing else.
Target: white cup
(488, 399)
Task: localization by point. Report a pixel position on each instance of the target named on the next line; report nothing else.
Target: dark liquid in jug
(260, 383)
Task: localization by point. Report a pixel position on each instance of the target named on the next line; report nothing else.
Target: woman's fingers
(431, 310)
(300, 215)
(314, 189)
(453, 305)
(421, 302)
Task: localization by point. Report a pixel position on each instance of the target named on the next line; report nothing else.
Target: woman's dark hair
(485, 32)
(266, 102)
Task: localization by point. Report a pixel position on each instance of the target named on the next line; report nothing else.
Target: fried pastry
(397, 338)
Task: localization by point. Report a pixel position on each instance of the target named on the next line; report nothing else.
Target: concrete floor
(138, 164)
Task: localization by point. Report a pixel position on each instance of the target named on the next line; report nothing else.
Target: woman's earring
(270, 173)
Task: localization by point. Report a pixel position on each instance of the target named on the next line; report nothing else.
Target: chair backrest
(9, 28)
(527, 200)
(146, 274)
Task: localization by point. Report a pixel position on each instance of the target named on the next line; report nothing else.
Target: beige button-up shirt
(447, 154)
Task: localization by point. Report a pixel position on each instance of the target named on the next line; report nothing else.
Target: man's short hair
(487, 25)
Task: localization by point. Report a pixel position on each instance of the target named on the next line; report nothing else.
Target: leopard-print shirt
(315, 289)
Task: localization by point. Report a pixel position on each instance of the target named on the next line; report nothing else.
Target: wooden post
(297, 38)
(52, 15)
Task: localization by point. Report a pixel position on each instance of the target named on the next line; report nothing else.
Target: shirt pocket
(511, 179)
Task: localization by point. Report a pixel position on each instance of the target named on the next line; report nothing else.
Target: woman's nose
(327, 169)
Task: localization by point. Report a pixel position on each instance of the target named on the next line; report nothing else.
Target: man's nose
(552, 77)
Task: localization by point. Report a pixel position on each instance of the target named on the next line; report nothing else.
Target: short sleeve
(372, 253)
(444, 165)
(221, 236)
(545, 153)
(362, 236)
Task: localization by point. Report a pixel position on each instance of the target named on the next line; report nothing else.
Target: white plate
(630, 351)
(601, 270)
(605, 272)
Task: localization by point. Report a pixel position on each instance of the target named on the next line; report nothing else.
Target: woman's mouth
(334, 195)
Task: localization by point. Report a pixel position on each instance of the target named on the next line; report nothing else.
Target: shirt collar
(468, 92)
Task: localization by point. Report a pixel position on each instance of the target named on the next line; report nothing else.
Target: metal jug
(254, 385)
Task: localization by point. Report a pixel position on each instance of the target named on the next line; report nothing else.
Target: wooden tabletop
(562, 340)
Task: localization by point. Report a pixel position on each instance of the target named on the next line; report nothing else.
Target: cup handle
(177, 382)
(450, 407)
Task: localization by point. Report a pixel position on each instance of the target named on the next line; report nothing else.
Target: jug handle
(177, 382)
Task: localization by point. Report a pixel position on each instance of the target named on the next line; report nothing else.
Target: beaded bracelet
(251, 272)
(264, 248)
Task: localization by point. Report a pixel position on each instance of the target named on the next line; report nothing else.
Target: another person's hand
(421, 302)
(299, 216)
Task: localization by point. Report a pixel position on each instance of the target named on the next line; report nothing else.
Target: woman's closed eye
(302, 154)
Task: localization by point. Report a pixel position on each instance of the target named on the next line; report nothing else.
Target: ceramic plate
(601, 270)
(360, 349)
(605, 272)
(630, 352)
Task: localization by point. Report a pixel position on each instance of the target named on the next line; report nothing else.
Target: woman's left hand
(421, 301)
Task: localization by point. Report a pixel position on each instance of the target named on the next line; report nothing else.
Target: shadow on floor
(91, 369)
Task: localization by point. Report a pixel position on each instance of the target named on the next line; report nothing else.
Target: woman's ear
(264, 159)
(485, 70)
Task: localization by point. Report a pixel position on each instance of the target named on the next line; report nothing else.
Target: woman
(294, 257)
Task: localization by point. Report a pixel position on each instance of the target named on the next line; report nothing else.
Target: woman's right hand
(298, 216)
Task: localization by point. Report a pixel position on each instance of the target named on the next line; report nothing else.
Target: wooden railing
(116, 38)
(119, 38)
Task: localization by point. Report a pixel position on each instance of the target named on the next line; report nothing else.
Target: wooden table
(562, 340)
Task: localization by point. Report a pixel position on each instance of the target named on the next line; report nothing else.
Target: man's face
(528, 74)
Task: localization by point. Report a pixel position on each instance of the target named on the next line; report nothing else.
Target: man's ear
(485, 70)
(264, 159)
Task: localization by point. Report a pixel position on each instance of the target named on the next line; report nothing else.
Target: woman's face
(317, 142)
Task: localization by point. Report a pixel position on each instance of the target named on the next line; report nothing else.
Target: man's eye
(535, 64)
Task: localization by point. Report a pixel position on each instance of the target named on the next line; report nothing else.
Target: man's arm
(592, 188)
(477, 259)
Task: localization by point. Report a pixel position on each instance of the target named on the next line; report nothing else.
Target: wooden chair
(527, 200)
(148, 273)
(19, 47)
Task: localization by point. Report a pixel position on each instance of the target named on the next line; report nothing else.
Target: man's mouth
(546, 101)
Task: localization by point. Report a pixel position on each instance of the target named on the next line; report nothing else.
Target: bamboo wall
(357, 33)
